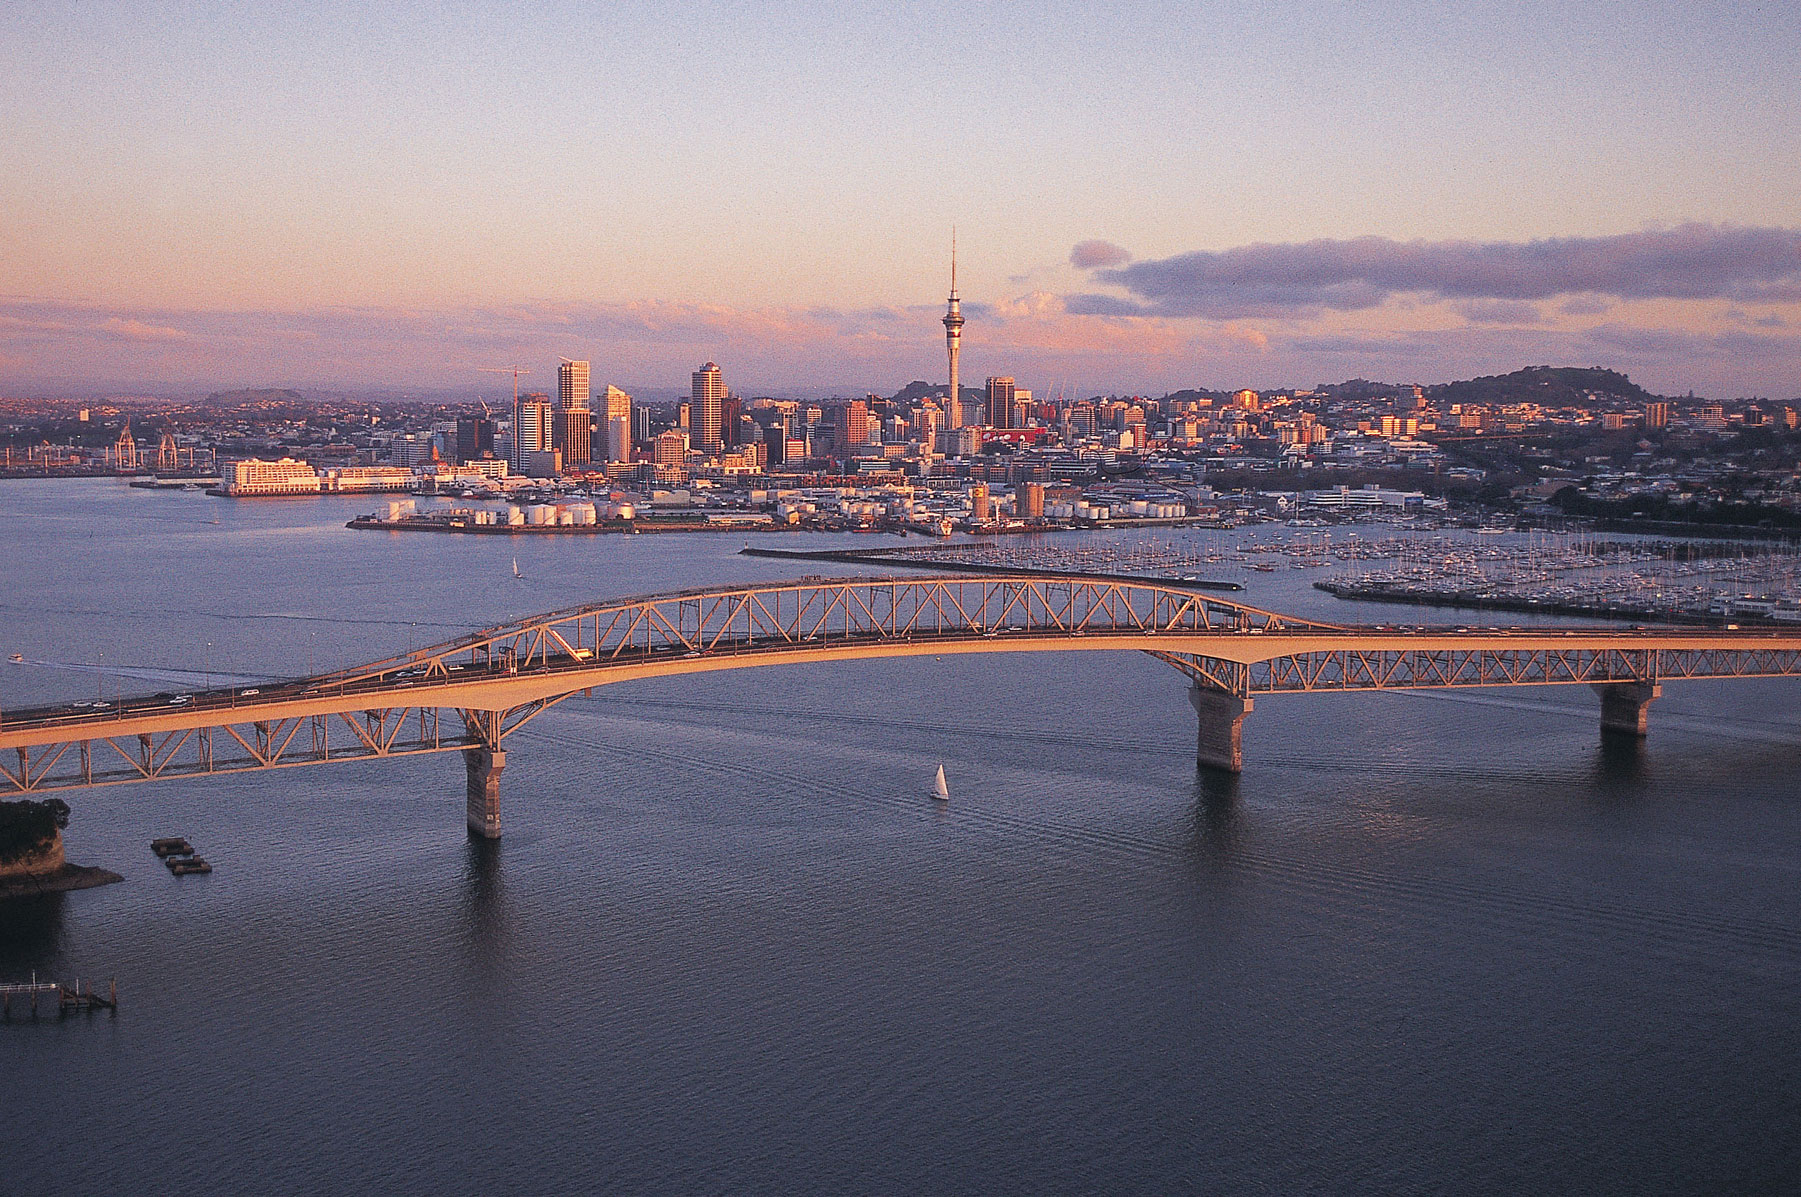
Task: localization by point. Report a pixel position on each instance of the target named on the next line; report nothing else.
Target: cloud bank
(1089, 255)
(1687, 262)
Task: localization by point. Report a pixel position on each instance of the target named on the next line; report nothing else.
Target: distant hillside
(916, 390)
(1554, 386)
(267, 395)
(1357, 389)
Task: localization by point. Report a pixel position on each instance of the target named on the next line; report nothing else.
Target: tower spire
(953, 343)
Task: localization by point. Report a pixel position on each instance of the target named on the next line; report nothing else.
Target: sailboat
(516, 572)
(940, 791)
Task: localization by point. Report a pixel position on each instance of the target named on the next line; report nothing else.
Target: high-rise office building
(850, 428)
(619, 439)
(953, 344)
(475, 436)
(572, 385)
(574, 428)
(999, 413)
(616, 405)
(575, 435)
(706, 409)
(729, 412)
(531, 430)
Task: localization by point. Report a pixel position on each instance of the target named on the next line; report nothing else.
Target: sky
(1146, 196)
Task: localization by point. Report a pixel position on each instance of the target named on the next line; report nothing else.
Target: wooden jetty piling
(67, 998)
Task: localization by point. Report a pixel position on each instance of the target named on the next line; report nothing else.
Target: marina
(1578, 574)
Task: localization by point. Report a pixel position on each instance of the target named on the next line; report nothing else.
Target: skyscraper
(953, 343)
(999, 413)
(707, 409)
(475, 436)
(616, 419)
(574, 430)
(572, 385)
(531, 431)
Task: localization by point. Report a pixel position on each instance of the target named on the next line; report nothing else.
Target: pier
(67, 998)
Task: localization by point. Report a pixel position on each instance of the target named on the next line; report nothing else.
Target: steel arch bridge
(471, 693)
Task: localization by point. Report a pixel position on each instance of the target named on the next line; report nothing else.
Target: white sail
(940, 791)
(516, 567)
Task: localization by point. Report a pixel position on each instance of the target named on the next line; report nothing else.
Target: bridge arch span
(471, 693)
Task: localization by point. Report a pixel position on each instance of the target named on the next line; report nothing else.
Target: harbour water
(1427, 942)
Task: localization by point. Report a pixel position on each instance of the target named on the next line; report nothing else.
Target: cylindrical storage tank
(624, 511)
(515, 516)
(566, 517)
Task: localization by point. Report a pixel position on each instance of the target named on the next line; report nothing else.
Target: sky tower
(953, 341)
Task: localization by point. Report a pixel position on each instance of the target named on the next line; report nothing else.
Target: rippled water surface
(1427, 942)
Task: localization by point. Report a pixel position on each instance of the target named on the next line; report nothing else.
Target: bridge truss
(1352, 669)
(471, 693)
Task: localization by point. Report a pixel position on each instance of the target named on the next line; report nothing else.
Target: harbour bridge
(470, 694)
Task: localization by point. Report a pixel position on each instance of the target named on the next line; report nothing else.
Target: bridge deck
(476, 690)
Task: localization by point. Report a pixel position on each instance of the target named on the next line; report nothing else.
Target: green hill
(1553, 386)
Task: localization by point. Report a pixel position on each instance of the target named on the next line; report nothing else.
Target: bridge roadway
(469, 694)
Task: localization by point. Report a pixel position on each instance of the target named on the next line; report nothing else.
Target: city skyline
(1159, 197)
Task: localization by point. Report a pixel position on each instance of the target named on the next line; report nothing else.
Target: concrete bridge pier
(484, 766)
(1219, 743)
(1625, 705)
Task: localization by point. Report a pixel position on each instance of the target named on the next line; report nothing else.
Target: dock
(67, 997)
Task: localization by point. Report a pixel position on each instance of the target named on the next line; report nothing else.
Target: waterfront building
(706, 410)
(257, 477)
(1028, 500)
(365, 479)
(531, 429)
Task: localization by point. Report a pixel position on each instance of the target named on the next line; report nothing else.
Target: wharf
(1477, 601)
(907, 559)
(368, 523)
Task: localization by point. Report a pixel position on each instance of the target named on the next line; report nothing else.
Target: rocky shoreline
(56, 881)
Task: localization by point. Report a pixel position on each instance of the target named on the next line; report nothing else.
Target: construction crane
(515, 371)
